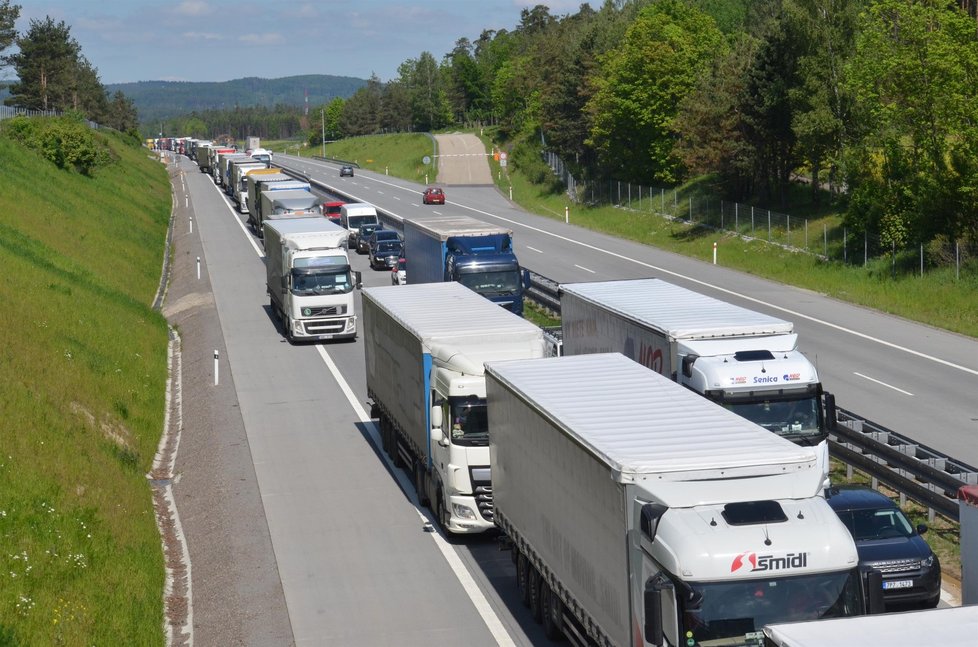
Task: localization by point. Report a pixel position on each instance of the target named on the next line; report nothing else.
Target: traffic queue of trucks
(640, 507)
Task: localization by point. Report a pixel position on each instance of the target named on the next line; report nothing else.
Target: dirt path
(462, 160)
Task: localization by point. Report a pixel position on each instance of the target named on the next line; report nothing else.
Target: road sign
(502, 158)
(426, 160)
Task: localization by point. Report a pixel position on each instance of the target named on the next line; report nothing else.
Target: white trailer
(747, 361)
(238, 169)
(309, 281)
(288, 203)
(642, 514)
(949, 627)
(265, 183)
(425, 346)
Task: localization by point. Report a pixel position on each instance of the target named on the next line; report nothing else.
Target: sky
(219, 40)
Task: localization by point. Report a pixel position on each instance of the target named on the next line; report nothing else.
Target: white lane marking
(538, 251)
(889, 386)
(472, 589)
(380, 192)
(581, 267)
(478, 599)
(437, 213)
(396, 198)
(663, 270)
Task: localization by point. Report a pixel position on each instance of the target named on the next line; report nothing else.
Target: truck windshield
(793, 419)
(322, 281)
(470, 424)
(490, 283)
(729, 613)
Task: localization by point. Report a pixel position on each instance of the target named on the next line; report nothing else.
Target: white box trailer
(747, 361)
(266, 183)
(949, 627)
(288, 203)
(643, 514)
(425, 346)
(237, 187)
(309, 281)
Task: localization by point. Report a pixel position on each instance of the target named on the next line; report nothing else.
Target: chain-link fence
(6, 112)
(818, 236)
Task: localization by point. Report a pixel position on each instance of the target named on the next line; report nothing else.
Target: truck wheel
(395, 451)
(419, 486)
(533, 582)
(522, 578)
(287, 322)
(552, 613)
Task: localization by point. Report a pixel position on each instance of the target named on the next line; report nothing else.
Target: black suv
(384, 248)
(888, 542)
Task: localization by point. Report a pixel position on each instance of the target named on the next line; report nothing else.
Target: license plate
(898, 584)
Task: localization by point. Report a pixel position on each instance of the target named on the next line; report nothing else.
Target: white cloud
(202, 35)
(193, 8)
(271, 38)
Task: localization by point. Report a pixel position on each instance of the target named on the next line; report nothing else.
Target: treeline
(872, 99)
(279, 122)
(53, 74)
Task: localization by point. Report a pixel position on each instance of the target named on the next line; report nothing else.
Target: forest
(871, 102)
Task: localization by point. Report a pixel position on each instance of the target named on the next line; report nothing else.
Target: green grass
(82, 379)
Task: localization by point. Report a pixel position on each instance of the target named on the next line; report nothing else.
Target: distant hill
(159, 100)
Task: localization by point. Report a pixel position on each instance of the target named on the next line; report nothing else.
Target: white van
(360, 220)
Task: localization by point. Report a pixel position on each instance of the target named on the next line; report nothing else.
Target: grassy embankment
(400, 155)
(82, 386)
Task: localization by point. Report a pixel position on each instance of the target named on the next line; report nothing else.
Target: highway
(909, 377)
(357, 562)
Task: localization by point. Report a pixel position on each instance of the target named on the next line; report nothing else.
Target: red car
(332, 211)
(433, 195)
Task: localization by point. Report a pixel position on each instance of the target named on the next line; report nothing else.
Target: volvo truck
(309, 280)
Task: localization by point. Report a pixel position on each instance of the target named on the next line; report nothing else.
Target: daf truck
(425, 346)
(640, 513)
(474, 253)
(747, 361)
(309, 280)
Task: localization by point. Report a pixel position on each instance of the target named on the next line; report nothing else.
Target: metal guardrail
(914, 470)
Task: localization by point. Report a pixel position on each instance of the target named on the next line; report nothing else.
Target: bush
(67, 141)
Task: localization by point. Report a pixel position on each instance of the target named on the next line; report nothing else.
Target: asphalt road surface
(294, 514)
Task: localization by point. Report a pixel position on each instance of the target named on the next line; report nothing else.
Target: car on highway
(399, 273)
(888, 542)
(384, 247)
(332, 211)
(346, 171)
(433, 195)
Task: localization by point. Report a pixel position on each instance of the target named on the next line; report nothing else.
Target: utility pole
(322, 112)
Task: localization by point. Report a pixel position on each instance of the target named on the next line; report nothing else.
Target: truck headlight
(463, 512)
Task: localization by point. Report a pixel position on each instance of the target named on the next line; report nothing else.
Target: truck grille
(327, 327)
(328, 311)
(483, 499)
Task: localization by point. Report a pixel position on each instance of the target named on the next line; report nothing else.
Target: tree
(45, 66)
(640, 86)
(122, 113)
(361, 112)
(913, 77)
(8, 32)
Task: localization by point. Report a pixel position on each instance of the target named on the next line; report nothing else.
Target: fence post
(721, 214)
(737, 216)
(752, 221)
(957, 260)
(629, 195)
(619, 193)
(893, 261)
(865, 248)
(825, 238)
(806, 233)
(690, 209)
(768, 225)
(845, 248)
(921, 260)
(662, 193)
(788, 228)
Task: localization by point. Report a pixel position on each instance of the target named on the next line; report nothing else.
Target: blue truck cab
(471, 252)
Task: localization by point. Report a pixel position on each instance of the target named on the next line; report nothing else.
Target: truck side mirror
(436, 417)
(285, 282)
(654, 633)
(358, 279)
(688, 362)
(874, 591)
(830, 414)
(526, 279)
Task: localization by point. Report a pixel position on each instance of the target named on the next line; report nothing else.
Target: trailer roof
(446, 226)
(639, 422)
(292, 226)
(421, 309)
(676, 311)
(948, 627)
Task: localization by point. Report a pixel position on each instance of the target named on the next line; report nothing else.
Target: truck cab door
(653, 598)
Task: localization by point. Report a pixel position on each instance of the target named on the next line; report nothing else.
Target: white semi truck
(259, 185)
(746, 361)
(948, 627)
(642, 514)
(425, 346)
(310, 284)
